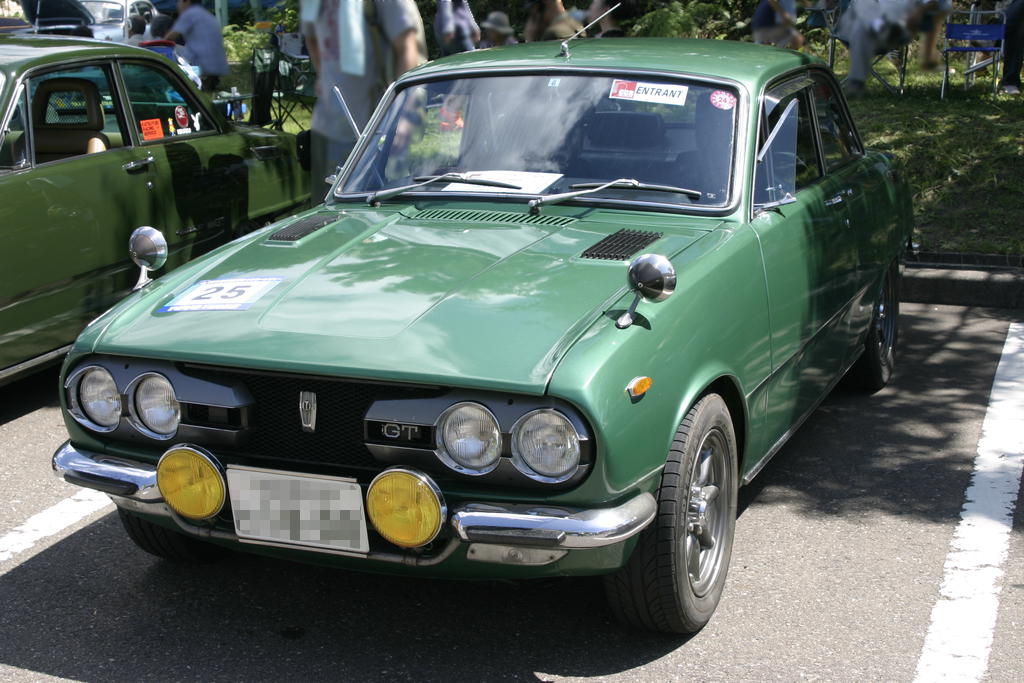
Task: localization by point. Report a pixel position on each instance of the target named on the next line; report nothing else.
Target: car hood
(445, 296)
(50, 10)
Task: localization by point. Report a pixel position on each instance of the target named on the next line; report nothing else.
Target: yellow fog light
(405, 507)
(190, 482)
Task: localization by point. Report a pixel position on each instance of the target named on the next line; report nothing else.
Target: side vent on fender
(293, 232)
(621, 245)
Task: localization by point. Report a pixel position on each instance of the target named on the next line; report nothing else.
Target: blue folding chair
(971, 33)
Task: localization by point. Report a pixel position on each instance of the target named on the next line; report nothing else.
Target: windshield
(105, 12)
(548, 133)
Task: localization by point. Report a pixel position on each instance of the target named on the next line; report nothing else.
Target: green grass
(963, 156)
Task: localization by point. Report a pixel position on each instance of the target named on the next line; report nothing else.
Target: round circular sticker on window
(723, 99)
(181, 116)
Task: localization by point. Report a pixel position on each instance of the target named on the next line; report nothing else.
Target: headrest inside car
(67, 103)
(625, 130)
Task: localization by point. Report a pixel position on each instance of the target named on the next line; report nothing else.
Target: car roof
(20, 52)
(746, 63)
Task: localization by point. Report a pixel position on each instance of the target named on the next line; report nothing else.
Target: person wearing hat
(548, 20)
(497, 30)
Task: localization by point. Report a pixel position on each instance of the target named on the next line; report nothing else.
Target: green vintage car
(559, 305)
(98, 139)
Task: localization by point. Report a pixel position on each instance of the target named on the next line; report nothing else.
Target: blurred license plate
(297, 509)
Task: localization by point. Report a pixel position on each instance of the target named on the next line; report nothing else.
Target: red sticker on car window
(151, 129)
(181, 116)
(723, 99)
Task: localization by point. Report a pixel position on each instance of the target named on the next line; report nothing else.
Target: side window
(160, 105)
(838, 142)
(787, 160)
(14, 145)
(74, 112)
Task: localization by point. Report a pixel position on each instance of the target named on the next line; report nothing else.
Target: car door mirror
(775, 175)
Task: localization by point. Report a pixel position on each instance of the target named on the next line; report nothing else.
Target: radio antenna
(565, 43)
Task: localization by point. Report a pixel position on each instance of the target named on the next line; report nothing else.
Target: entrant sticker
(152, 129)
(639, 91)
(225, 294)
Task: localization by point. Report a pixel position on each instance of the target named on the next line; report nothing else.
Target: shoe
(1010, 90)
(854, 89)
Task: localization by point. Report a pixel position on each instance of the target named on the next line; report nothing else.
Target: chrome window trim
(135, 420)
(524, 467)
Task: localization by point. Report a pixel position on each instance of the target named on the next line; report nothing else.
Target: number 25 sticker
(228, 294)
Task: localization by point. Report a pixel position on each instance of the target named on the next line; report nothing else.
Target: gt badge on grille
(307, 410)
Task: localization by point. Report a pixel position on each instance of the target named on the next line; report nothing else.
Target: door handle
(266, 152)
(833, 201)
(138, 164)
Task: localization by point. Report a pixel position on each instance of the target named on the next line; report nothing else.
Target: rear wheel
(874, 368)
(676, 574)
(165, 543)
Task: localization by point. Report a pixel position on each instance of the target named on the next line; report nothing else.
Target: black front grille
(621, 245)
(275, 427)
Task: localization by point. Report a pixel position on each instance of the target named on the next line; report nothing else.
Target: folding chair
(970, 33)
(826, 14)
(264, 82)
(295, 81)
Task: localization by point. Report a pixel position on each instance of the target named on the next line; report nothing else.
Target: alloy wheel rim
(885, 322)
(706, 519)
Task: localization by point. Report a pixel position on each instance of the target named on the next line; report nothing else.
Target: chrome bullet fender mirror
(148, 249)
(653, 278)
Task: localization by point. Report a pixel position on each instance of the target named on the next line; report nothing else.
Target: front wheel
(675, 576)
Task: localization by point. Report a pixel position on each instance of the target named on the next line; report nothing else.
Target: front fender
(715, 326)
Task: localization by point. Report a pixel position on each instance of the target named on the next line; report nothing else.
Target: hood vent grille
(477, 216)
(621, 245)
(302, 227)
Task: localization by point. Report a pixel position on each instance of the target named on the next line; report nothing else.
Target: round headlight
(153, 406)
(190, 482)
(545, 443)
(98, 399)
(468, 438)
(405, 507)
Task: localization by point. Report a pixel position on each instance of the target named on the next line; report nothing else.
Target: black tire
(874, 368)
(657, 589)
(165, 543)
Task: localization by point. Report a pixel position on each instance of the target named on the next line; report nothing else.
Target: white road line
(963, 620)
(51, 521)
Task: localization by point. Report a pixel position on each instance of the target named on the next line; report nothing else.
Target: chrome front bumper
(477, 523)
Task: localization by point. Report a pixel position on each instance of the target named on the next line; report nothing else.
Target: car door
(215, 178)
(65, 214)
(848, 191)
(801, 243)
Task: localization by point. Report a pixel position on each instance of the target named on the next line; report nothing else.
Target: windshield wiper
(588, 188)
(420, 181)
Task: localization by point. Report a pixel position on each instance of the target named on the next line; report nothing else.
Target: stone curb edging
(960, 286)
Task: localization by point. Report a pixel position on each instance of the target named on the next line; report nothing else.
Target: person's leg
(210, 83)
(1013, 46)
(325, 155)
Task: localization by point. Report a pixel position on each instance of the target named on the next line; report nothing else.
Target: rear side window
(838, 142)
(161, 106)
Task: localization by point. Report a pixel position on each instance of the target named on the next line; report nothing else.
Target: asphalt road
(837, 566)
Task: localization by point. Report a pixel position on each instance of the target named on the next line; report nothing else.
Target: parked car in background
(107, 19)
(560, 304)
(96, 140)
